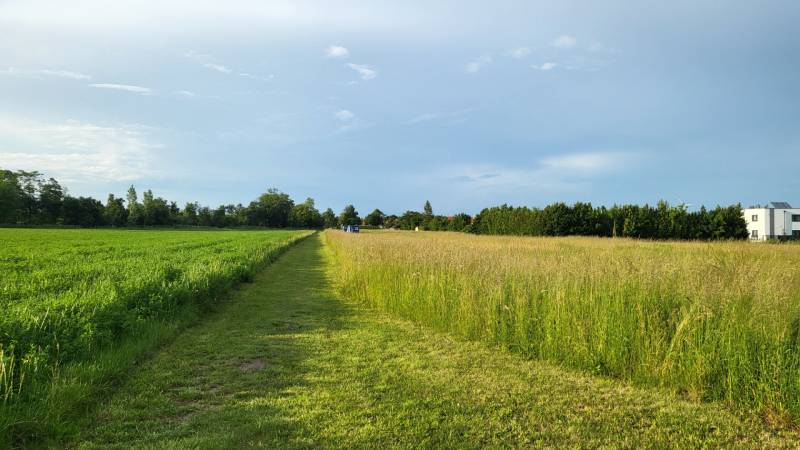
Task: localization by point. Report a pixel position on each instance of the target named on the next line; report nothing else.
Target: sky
(467, 104)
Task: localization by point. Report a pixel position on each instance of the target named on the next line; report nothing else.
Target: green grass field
(395, 340)
(289, 363)
(711, 321)
(68, 295)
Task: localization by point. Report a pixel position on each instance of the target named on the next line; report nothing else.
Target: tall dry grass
(712, 320)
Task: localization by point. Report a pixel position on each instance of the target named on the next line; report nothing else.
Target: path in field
(287, 364)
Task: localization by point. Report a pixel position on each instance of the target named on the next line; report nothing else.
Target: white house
(778, 220)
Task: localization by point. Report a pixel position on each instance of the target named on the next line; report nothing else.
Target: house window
(796, 234)
(755, 218)
(754, 234)
(795, 217)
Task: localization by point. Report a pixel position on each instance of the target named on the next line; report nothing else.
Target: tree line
(27, 198)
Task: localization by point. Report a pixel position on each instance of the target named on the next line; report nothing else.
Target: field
(709, 321)
(121, 339)
(68, 294)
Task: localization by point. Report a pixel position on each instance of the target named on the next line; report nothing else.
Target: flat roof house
(778, 220)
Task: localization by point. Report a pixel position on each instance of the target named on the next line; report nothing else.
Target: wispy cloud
(344, 115)
(337, 51)
(478, 64)
(75, 151)
(217, 67)
(565, 41)
(40, 73)
(429, 117)
(591, 163)
(365, 71)
(256, 77)
(545, 67)
(124, 87)
(211, 63)
(562, 173)
(519, 52)
(185, 94)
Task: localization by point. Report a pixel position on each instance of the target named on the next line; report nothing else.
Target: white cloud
(124, 87)
(365, 71)
(186, 94)
(546, 66)
(76, 151)
(519, 52)
(256, 77)
(217, 67)
(593, 163)
(564, 173)
(38, 73)
(429, 117)
(344, 115)
(478, 64)
(565, 41)
(336, 51)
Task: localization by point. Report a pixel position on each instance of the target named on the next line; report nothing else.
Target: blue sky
(387, 104)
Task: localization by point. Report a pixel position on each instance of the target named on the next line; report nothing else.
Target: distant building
(778, 220)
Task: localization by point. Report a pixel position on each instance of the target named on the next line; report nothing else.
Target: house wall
(761, 225)
(771, 222)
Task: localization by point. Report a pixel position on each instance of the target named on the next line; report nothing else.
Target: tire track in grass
(286, 363)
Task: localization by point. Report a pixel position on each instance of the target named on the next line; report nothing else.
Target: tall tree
(115, 213)
(305, 215)
(135, 211)
(349, 216)
(51, 195)
(375, 218)
(272, 209)
(329, 219)
(10, 197)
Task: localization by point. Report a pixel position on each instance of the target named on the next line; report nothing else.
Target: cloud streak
(124, 87)
(545, 67)
(40, 73)
(564, 173)
(431, 117)
(78, 152)
(519, 52)
(344, 115)
(365, 71)
(217, 67)
(478, 64)
(564, 41)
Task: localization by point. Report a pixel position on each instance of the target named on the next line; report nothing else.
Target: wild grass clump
(714, 321)
(68, 294)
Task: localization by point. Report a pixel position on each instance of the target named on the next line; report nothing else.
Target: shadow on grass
(227, 381)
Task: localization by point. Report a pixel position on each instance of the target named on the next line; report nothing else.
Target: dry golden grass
(710, 320)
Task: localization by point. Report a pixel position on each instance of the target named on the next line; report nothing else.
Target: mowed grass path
(286, 363)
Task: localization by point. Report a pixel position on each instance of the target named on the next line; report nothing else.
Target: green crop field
(710, 321)
(68, 294)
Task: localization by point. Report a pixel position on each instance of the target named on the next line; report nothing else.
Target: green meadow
(288, 339)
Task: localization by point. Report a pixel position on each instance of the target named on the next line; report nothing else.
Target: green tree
(189, 214)
(375, 218)
(51, 195)
(135, 211)
(305, 215)
(427, 215)
(154, 209)
(10, 197)
(82, 211)
(115, 213)
(204, 217)
(349, 216)
(272, 209)
(329, 219)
